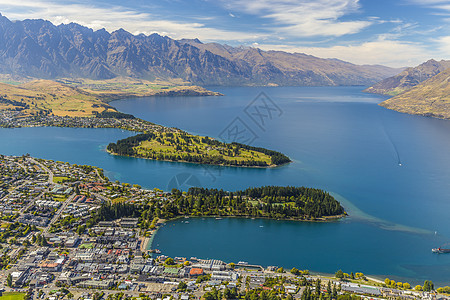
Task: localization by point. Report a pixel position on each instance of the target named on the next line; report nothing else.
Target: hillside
(37, 48)
(430, 98)
(124, 87)
(409, 78)
(50, 97)
(83, 97)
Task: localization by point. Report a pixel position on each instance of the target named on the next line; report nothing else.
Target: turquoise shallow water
(391, 171)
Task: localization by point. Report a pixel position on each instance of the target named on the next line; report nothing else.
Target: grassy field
(60, 198)
(179, 144)
(57, 179)
(116, 87)
(82, 97)
(46, 96)
(12, 296)
(122, 87)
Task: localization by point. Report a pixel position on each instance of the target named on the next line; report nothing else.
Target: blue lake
(390, 170)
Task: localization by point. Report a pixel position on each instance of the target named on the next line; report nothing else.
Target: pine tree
(318, 287)
(334, 291)
(9, 280)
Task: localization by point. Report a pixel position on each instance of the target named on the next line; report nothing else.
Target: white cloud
(289, 19)
(117, 17)
(435, 4)
(305, 18)
(386, 52)
(444, 45)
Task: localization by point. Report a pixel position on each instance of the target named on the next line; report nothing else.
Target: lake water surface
(390, 170)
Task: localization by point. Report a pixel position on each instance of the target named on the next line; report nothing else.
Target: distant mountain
(40, 49)
(409, 78)
(430, 98)
(283, 68)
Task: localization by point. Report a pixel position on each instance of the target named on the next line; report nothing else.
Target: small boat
(440, 250)
(218, 218)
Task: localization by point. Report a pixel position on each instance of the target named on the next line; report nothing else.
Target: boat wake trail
(399, 161)
(391, 141)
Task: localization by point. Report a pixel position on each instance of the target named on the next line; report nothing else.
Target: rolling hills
(83, 97)
(50, 97)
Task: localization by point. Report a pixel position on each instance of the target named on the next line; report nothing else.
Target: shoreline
(318, 220)
(190, 162)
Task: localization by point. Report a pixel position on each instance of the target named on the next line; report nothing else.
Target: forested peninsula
(272, 202)
(183, 147)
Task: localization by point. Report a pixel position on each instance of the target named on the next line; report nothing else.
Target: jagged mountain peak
(40, 49)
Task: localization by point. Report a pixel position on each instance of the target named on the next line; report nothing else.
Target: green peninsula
(272, 202)
(184, 147)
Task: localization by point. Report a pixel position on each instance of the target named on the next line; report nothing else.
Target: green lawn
(85, 246)
(60, 198)
(12, 296)
(191, 145)
(57, 179)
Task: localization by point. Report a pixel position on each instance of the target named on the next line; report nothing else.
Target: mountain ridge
(430, 98)
(409, 78)
(41, 49)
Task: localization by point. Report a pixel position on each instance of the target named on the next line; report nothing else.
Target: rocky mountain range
(409, 78)
(38, 48)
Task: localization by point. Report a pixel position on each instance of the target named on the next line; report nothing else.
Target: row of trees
(248, 295)
(202, 159)
(428, 285)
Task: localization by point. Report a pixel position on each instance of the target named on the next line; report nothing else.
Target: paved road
(49, 172)
(59, 212)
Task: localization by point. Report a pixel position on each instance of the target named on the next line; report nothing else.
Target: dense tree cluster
(114, 114)
(3, 99)
(444, 290)
(125, 146)
(112, 211)
(215, 294)
(272, 201)
(267, 202)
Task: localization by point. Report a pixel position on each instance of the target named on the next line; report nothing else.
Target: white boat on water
(440, 250)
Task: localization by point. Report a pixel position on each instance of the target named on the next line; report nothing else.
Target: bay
(390, 170)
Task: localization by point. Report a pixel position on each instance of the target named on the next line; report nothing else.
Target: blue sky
(390, 32)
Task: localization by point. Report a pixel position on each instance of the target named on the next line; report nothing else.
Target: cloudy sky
(391, 32)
